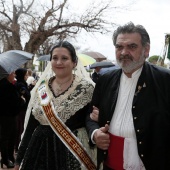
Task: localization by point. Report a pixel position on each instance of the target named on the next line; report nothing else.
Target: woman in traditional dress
(54, 136)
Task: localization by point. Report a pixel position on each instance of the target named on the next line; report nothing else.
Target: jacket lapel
(114, 93)
(141, 85)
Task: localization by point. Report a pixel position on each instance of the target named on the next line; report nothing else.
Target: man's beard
(130, 66)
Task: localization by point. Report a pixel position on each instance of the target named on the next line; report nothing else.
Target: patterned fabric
(47, 152)
(40, 148)
(68, 103)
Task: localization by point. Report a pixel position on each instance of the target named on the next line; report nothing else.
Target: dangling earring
(74, 68)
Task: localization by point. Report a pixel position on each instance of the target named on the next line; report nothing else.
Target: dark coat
(22, 86)
(150, 110)
(10, 100)
(23, 90)
(95, 77)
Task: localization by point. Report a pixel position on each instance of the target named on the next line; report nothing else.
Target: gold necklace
(58, 87)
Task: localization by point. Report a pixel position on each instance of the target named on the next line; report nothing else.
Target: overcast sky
(154, 15)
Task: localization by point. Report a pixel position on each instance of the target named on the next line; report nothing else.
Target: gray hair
(131, 28)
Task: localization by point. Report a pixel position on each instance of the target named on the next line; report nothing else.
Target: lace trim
(83, 137)
(132, 160)
(67, 104)
(50, 86)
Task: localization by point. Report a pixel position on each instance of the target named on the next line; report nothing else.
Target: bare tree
(29, 25)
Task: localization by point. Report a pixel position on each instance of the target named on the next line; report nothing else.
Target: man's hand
(95, 114)
(16, 167)
(101, 137)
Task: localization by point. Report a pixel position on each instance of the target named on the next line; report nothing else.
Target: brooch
(139, 88)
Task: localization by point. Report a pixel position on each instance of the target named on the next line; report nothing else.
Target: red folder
(115, 153)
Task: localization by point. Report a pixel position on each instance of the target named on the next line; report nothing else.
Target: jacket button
(140, 142)
(138, 130)
(142, 155)
(133, 107)
(135, 118)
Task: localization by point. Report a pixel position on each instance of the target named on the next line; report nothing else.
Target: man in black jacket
(133, 126)
(96, 75)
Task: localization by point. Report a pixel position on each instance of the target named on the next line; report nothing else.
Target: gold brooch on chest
(139, 88)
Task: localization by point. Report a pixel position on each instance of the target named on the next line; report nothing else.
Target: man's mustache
(122, 57)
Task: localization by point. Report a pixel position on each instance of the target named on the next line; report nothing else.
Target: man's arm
(98, 136)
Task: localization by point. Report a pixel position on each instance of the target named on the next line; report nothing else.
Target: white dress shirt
(122, 121)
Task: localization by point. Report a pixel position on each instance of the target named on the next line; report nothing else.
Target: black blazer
(150, 110)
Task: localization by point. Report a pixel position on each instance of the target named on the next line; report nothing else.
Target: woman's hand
(95, 114)
(34, 82)
(23, 98)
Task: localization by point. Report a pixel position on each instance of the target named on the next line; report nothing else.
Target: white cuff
(92, 136)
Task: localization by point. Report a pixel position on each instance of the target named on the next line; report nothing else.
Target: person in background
(96, 75)
(132, 131)
(23, 89)
(35, 75)
(54, 131)
(31, 81)
(10, 101)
